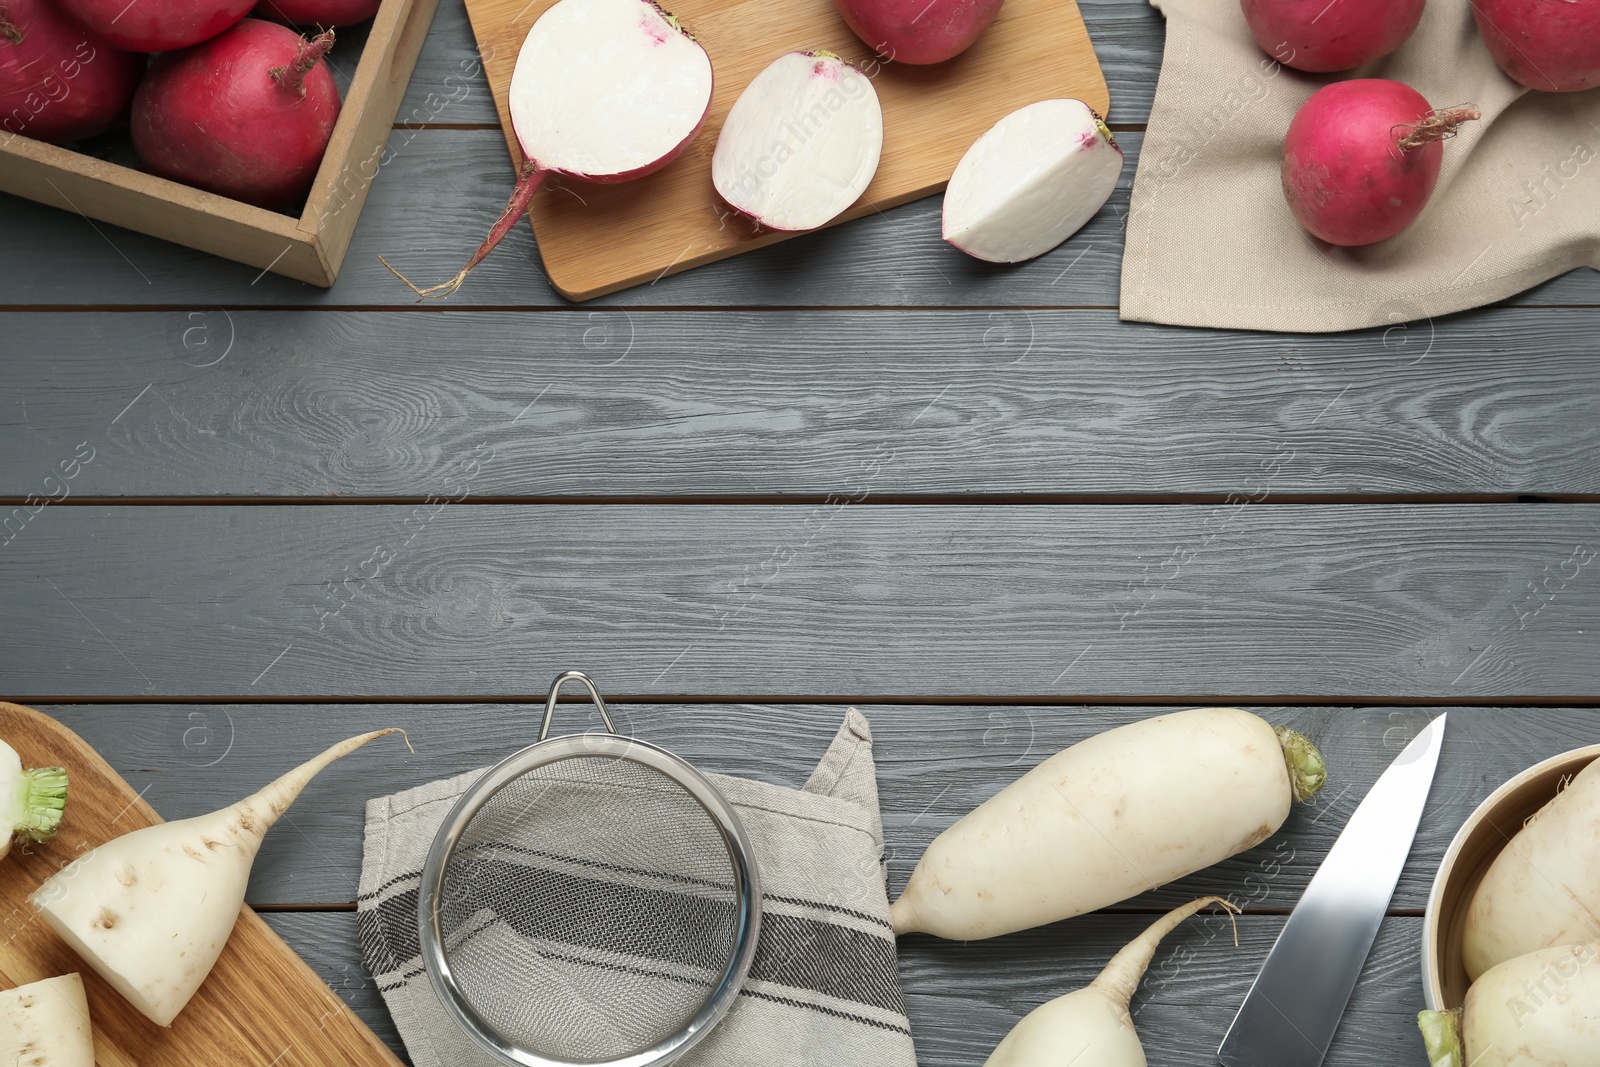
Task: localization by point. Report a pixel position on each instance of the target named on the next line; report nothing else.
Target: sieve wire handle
(555, 691)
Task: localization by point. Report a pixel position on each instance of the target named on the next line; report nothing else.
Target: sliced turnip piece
(1031, 181)
(603, 90)
(46, 1024)
(801, 143)
(151, 910)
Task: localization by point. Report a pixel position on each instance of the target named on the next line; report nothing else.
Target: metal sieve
(591, 899)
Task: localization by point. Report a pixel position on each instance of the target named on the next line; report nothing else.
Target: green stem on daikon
(32, 802)
(1441, 1033)
(1308, 772)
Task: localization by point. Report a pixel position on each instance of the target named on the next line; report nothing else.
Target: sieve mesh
(589, 909)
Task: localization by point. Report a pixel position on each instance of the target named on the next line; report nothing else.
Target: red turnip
(1318, 36)
(1361, 158)
(58, 80)
(1551, 45)
(801, 143)
(247, 114)
(604, 90)
(318, 12)
(918, 31)
(157, 25)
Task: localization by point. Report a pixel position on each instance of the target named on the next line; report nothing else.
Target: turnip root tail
(1122, 975)
(1308, 772)
(1441, 1032)
(1436, 125)
(263, 808)
(8, 29)
(307, 54)
(528, 181)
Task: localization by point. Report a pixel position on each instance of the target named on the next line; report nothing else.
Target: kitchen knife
(1291, 1012)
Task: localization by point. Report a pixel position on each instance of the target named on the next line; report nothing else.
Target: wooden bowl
(1476, 844)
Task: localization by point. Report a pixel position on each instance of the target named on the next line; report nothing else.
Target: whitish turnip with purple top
(1031, 181)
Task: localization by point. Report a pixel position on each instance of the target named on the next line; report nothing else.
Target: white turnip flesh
(1543, 889)
(801, 143)
(1537, 1010)
(603, 91)
(46, 1024)
(1113, 816)
(1361, 159)
(151, 911)
(1091, 1026)
(1031, 181)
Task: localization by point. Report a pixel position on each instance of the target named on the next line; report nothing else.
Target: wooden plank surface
(935, 763)
(1244, 601)
(260, 1000)
(963, 998)
(682, 404)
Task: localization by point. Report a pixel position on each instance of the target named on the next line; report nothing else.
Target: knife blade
(1289, 1017)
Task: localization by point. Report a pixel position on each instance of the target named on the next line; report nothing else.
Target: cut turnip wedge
(46, 1024)
(801, 143)
(605, 91)
(1031, 182)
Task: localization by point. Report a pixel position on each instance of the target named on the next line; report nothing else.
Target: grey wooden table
(854, 468)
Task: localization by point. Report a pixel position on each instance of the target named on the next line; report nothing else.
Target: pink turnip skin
(157, 25)
(1549, 45)
(1318, 36)
(58, 80)
(918, 31)
(317, 12)
(1361, 159)
(247, 114)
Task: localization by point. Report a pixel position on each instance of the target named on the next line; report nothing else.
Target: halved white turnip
(801, 143)
(604, 91)
(1031, 181)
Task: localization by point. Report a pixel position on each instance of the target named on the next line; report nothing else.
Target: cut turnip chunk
(801, 143)
(46, 1024)
(1031, 182)
(605, 91)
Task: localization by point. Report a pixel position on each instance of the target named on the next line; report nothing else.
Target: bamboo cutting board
(596, 239)
(262, 1004)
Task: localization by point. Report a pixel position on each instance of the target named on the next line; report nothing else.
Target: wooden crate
(311, 247)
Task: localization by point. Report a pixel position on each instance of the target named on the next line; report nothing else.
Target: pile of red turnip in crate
(233, 101)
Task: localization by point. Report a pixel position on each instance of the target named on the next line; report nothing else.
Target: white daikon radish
(46, 1024)
(1538, 1010)
(1543, 889)
(31, 801)
(1031, 181)
(151, 910)
(604, 91)
(801, 143)
(1091, 1026)
(1110, 817)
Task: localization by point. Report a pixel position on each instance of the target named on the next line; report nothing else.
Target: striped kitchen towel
(824, 987)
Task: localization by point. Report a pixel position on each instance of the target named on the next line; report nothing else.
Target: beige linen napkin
(1212, 243)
